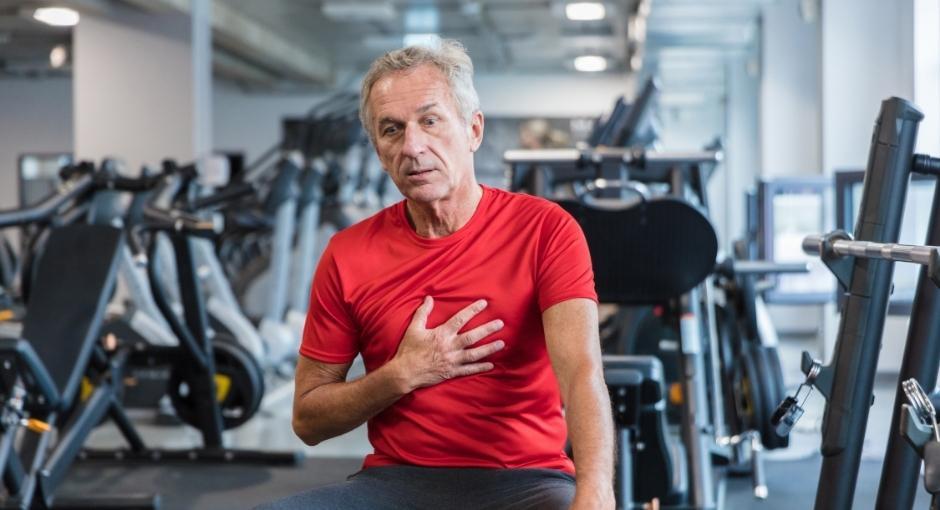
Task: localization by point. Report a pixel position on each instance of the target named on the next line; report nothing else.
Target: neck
(446, 216)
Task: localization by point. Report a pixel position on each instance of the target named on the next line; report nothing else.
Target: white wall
(927, 73)
(252, 122)
(790, 100)
(134, 88)
(868, 56)
(35, 116)
(551, 95)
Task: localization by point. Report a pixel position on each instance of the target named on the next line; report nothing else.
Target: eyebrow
(423, 109)
(427, 107)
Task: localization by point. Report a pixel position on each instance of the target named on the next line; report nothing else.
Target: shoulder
(527, 207)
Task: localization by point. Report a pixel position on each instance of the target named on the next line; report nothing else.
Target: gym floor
(791, 474)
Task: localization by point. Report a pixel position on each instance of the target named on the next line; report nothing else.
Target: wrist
(398, 377)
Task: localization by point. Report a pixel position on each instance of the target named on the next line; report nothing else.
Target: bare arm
(571, 335)
(326, 405)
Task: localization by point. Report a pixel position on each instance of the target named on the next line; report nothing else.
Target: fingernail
(499, 323)
(482, 302)
(500, 343)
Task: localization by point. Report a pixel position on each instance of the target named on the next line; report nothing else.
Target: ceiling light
(585, 11)
(59, 56)
(56, 16)
(636, 62)
(590, 63)
(429, 40)
(358, 12)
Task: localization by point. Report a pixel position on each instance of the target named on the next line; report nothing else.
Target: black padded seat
(647, 252)
(76, 274)
(649, 367)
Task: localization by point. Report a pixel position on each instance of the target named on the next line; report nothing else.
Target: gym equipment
(327, 177)
(237, 374)
(864, 269)
(42, 378)
(43, 371)
(628, 125)
(920, 430)
(596, 174)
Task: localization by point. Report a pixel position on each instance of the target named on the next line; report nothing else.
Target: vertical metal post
(859, 339)
(901, 470)
(695, 426)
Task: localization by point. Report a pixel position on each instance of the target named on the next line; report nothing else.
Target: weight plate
(239, 383)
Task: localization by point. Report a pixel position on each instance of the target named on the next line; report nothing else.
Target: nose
(415, 142)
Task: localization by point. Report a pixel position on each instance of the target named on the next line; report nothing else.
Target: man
(475, 313)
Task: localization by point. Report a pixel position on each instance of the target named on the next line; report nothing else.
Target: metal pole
(859, 339)
(695, 424)
(901, 470)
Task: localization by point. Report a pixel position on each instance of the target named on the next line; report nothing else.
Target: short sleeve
(563, 269)
(330, 331)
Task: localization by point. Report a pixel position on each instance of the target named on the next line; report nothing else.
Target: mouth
(419, 172)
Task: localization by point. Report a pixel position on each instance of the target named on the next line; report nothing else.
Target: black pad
(649, 368)
(649, 252)
(74, 280)
(932, 467)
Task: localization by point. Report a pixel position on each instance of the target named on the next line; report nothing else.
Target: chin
(427, 193)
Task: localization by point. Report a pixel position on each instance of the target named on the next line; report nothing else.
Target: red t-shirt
(522, 254)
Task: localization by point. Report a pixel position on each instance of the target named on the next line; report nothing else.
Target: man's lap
(394, 487)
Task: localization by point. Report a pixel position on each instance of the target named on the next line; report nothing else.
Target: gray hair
(449, 56)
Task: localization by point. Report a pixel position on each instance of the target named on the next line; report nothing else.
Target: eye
(430, 121)
(389, 130)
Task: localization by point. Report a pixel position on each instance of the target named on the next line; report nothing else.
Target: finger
(476, 368)
(474, 355)
(479, 333)
(461, 318)
(420, 318)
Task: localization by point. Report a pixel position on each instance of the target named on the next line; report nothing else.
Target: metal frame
(847, 383)
(846, 209)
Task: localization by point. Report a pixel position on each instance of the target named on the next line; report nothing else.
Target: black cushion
(649, 252)
(73, 285)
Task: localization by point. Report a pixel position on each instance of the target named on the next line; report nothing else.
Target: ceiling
(291, 44)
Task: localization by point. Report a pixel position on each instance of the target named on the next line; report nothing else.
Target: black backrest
(75, 277)
(647, 253)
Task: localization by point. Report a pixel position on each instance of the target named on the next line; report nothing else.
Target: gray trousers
(412, 487)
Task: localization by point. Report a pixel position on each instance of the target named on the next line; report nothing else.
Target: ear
(475, 130)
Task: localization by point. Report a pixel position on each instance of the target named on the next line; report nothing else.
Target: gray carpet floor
(203, 487)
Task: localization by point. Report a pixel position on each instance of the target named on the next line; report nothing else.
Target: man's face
(422, 141)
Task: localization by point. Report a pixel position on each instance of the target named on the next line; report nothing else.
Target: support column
(142, 86)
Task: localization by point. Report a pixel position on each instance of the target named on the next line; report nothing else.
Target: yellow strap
(6, 315)
(675, 393)
(87, 389)
(223, 384)
(37, 426)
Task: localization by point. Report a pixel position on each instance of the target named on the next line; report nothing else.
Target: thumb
(420, 318)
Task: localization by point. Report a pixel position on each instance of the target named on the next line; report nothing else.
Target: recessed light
(590, 63)
(585, 11)
(56, 16)
(59, 56)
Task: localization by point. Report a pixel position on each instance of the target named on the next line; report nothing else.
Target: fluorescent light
(590, 63)
(429, 40)
(585, 11)
(56, 16)
(360, 12)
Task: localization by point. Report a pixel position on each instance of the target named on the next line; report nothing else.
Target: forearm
(333, 409)
(590, 429)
